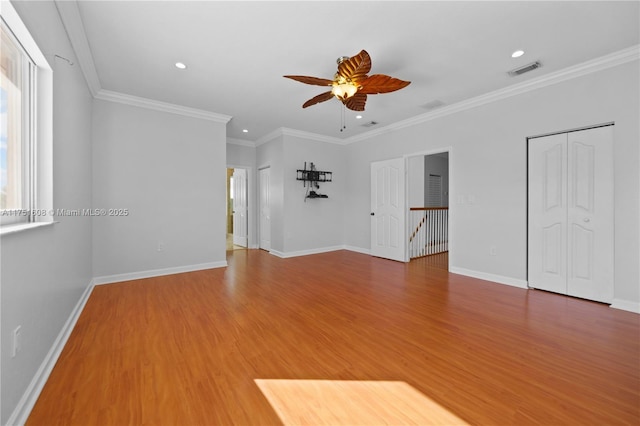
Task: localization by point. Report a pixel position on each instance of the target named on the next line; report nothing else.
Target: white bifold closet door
(570, 209)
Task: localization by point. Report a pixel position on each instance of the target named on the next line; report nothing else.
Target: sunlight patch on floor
(349, 402)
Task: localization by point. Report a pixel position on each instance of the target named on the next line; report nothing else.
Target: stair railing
(429, 231)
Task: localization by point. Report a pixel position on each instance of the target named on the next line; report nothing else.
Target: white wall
(238, 155)
(271, 154)
(313, 224)
(299, 226)
(44, 271)
(487, 161)
(170, 171)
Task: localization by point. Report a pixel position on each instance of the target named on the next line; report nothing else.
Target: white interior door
(548, 213)
(590, 214)
(240, 207)
(265, 210)
(571, 213)
(388, 209)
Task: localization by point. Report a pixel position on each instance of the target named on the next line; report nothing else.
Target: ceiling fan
(351, 84)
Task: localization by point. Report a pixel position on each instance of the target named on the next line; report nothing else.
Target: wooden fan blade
(380, 83)
(310, 80)
(356, 102)
(356, 67)
(317, 99)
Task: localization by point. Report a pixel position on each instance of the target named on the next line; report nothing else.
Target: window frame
(28, 70)
(38, 201)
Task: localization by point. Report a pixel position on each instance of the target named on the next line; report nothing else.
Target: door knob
(373, 214)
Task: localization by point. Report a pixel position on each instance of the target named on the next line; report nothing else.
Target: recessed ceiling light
(245, 131)
(180, 65)
(517, 53)
(358, 117)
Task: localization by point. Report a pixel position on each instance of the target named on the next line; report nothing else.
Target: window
(26, 85)
(16, 135)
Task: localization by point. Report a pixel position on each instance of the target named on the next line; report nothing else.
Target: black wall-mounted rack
(311, 178)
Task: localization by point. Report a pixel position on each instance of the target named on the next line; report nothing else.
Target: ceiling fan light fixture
(351, 84)
(343, 90)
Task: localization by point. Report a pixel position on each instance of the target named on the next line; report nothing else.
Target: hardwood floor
(191, 349)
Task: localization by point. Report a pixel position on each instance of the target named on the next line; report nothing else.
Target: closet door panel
(548, 213)
(590, 214)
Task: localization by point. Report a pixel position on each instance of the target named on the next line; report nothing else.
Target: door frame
(451, 203)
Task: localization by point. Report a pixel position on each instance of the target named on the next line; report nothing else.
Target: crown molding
(240, 142)
(107, 95)
(269, 137)
(72, 22)
(598, 64)
(285, 131)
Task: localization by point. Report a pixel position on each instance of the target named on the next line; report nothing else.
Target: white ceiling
(237, 52)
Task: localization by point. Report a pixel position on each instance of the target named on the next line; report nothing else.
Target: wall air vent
(370, 124)
(526, 68)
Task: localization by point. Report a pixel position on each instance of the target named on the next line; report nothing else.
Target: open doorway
(237, 209)
(428, 199)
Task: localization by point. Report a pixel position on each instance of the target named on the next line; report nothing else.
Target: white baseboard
(31, 394)
(358, 249)
(286, 255)
(626, 305)
(108, 279)
(514, 282)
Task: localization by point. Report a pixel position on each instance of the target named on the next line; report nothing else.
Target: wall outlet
(16, 344)
(493, 251)
(160, 246)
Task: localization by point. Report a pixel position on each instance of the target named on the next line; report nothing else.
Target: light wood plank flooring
(196, 348)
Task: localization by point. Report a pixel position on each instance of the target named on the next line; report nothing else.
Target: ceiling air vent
(370, 124)
(526, 68)
(437, 103)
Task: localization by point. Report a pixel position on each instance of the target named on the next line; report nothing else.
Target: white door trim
(452, 197)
